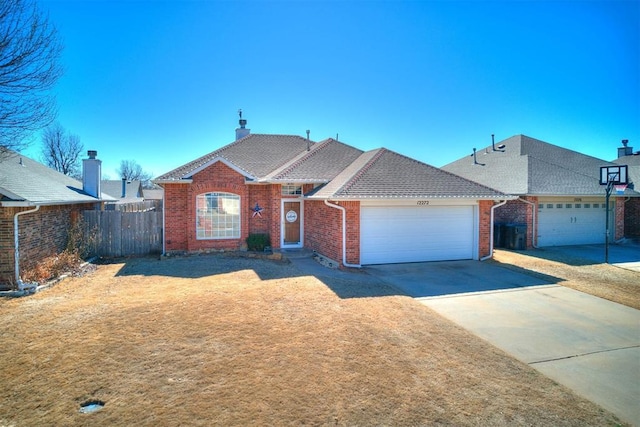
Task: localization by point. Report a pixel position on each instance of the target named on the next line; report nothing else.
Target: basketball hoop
(620, 188)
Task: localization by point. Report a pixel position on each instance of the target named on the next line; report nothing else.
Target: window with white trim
(218, 216)
(291, 190)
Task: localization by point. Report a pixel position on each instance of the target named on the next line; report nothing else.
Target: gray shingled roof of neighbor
(114, 189)
(529, 166)
(384, 174)
(24, 181)
(323, 162)
(257, 155)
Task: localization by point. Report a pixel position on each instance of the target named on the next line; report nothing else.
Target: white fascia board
(172, 181)
(27, 203)
(224, 161)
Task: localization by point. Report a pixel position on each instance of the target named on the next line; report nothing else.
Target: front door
(292, 220)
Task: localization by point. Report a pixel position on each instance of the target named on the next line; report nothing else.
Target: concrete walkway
(583, 342)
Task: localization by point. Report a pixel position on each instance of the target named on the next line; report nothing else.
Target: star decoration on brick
(257, 211)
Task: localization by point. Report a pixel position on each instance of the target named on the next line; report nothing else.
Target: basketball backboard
(613, 174)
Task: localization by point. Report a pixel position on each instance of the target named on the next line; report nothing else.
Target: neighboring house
(351, 206)
(40, 204)
(123, 191)
(626, 156)
(560, 199)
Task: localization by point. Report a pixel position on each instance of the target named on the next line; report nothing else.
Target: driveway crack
(584, 354)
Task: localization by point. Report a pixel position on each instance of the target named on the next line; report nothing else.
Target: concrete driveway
(586, 343)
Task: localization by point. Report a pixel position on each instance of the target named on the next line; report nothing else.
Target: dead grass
(602, 280)
(219, 341)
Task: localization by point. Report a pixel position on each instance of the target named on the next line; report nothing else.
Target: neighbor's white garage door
(416, 233)
(566, 222)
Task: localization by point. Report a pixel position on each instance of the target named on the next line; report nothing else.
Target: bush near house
(258, 241)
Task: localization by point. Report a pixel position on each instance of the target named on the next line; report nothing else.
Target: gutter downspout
(534, 226)
(16, 242)
(344, 234)
(164, 222)
(491, 231)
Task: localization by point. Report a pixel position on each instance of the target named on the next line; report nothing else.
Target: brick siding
(323, 230)
(42, 234)
(619, 218)
(632, 217)
(518, 212)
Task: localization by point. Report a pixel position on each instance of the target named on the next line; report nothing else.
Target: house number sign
(291, 216)
(422, 202)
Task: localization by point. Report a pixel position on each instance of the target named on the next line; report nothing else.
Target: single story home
(626, 156)
(37, 207)
(559, 198)
(348, 205)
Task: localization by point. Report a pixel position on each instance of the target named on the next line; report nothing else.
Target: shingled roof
(321, 163)
(25, 182)
(256, 155)
(527, 166)
(384, 174)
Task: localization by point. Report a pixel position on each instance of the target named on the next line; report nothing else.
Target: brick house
(40, 204)
(559, 199)
(626, 156)
(351, 206)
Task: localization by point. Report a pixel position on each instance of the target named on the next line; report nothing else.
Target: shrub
(257, 242)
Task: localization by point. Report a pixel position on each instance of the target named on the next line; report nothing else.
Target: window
(291, 190)
(568, 206)
(218, 216)
(549, 206)
(559, 205)
(587, 205)
(578, 205)
(596, 206)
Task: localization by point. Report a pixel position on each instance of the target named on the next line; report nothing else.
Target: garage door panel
(564, 222)
(414, 234)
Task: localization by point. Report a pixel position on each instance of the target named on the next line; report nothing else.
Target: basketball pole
(606, 234)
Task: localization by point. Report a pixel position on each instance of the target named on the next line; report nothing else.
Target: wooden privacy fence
(116, 233)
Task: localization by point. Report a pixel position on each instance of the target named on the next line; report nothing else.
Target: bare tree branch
(132, 171)
(29, 67)
(61, 150)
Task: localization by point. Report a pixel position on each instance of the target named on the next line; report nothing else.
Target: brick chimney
(92, 174)
(242, 131)
(624, 150)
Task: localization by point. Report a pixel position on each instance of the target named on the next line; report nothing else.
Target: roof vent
(92, 154)
(625, 150)
(242, 131)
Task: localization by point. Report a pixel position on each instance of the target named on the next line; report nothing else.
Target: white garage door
(416, 233)
(568, 222)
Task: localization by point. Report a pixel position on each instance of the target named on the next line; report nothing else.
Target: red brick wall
(323, 230)
(518, 212)
(42, 234)
(632, 217)
(175, 217)
(619, 217)
(180, 210)
(484, 214)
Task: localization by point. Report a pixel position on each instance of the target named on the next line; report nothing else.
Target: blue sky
(160, 82)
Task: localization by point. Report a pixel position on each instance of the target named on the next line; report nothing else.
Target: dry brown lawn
(602, 280)
(213, 340)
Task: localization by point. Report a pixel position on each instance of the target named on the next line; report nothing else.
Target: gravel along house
(351, 206)
(559, 199)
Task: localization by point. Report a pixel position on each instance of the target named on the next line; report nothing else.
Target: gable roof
(321, 163)
(25, 182)
(529, 166)
(256, 155)
(385, 174)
